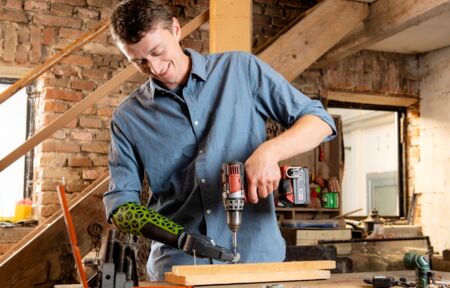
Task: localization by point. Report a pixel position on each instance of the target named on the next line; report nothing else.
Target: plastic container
(23, 210)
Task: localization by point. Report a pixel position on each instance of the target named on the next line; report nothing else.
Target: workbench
(336, 280)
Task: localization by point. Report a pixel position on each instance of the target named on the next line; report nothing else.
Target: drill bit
(235, 242)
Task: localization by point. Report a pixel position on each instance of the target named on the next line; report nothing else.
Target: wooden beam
(230, 25)
(374, 99)
(37, 255)
(386, 18)
(321, 29)
(92, 98)
(16, 72)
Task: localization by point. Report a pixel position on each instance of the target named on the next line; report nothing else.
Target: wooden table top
(336, 280)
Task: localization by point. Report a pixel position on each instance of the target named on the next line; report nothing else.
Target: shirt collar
(198, 63)
(198, 68)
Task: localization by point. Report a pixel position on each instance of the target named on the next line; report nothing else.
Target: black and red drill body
(233, 194)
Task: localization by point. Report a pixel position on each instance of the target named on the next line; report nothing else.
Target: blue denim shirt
(180, 143)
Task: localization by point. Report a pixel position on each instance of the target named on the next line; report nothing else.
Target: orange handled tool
(72, 234)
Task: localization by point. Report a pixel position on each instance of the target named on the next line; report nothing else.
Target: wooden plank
(315, 34)
(247, 277)
(386, 18)
(92, 98)
(374, 99)
(47, 65)
(253, 267)
(15, 72)
(38, 254)
(230, 25)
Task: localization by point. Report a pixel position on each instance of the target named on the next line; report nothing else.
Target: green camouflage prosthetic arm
(138, 220)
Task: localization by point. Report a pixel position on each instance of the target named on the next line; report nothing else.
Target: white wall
(432, 175)
(12, 133)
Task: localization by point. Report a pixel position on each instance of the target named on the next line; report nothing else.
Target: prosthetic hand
(138, 220)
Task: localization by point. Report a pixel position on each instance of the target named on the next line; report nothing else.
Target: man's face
(159, 55)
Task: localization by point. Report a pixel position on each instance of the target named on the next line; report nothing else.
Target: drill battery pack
(295, 185)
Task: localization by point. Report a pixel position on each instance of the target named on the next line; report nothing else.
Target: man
(195, 113)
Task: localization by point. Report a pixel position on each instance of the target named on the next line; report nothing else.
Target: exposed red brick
(90, 122)
(96, 74)
(90, 111)
(64, 70)
(71, 34)
(35, 41)
(51, 159)
(106, 12)
(55, 93)
(48, 36)
(55, 106)
(59, 135)
(9, 51)
(81, 135)
(84, 13)
(47, 210)
(13, 16)
(49, 118)
(46, 198)
(100, 161)
(75, 186)
(35, 5)
(46, 185)
(92, 174)
(105, 111)
(14, 4)
(95, 147)
(72, 2)
(102, 136)
(22, 53)
(80, 162)
(85, 85)
(23, 34)
(59, 146)
(100, 3)
(50, 20)
(56, 82)
(60, 9)
(79, 60)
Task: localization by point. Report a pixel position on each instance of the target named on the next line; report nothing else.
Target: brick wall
(432, 170)
(32, 31)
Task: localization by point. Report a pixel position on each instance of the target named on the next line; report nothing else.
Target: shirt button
(208, 211)
(203, 180)
(200, 151)
(195, 122)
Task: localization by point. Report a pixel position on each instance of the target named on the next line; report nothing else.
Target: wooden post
(230, 25)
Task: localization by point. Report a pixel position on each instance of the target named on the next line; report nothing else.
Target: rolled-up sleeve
(125, 172)
(277, 99)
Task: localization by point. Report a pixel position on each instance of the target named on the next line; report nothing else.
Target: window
(13, 129)
(371, 178)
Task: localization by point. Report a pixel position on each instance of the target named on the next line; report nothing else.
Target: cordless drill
(424, 275)
(233, 195)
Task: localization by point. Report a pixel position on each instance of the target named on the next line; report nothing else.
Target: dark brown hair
(131, 19)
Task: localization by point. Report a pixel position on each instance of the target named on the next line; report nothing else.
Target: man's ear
(176, 28)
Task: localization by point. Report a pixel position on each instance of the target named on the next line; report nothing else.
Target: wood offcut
(249, 273)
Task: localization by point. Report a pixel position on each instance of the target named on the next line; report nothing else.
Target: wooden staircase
(35, 259)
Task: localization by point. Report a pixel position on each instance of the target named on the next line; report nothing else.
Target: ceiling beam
(373, 99)
(325, 25)
(386, 18)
